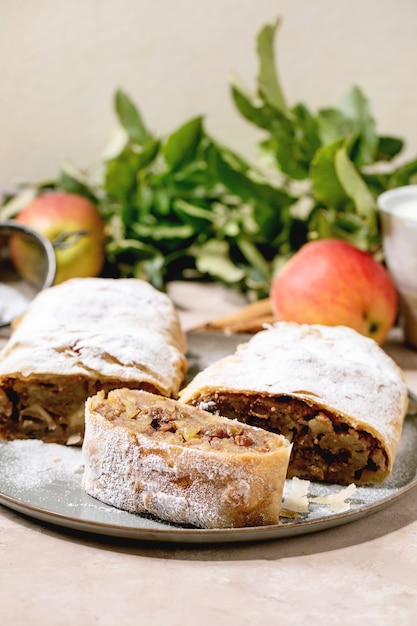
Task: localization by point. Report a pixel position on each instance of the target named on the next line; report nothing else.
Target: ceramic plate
(43, 481)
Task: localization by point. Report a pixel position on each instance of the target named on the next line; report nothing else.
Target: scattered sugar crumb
(297, 498)
(32, 464)
(207, 406)
(336, 501)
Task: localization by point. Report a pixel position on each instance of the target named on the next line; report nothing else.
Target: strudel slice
(78, 337)
(335, 394)
(148, 454)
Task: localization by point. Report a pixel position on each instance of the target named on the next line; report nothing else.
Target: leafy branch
(335, 152)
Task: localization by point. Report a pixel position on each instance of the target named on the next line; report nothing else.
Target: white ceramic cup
(398, 210)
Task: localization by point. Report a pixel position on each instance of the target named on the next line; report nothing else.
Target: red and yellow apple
(74, 226)
(332, 282)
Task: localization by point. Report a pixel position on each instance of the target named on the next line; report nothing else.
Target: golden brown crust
(148, 454)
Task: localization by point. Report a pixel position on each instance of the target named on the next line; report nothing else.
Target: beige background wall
(61, 61)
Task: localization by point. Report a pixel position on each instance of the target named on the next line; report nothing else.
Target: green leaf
(152, 270)
(138, 260)
(293, 142)
(321, 223)
(120, 173)
(282, 148)
(256, 114)
(131, 119)
(144, 199)
(326, 185)
(254, 258)
(213, 258)
(160, 231)
(406, 174)
(356, 107)
(388, 148)
(147, 154)
(236, 181)
(73, 181)
(192, 213)
(241, 183)
(332, 124)
(268, 83)
(181, 145)
(306, 135)
(162, 202)
(376, 182)
(354, 185)
(139, 249)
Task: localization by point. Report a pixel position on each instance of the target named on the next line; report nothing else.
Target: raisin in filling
(325, 448)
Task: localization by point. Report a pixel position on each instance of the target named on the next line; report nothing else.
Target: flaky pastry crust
(148, 454)
(334, 393)
(78, 337)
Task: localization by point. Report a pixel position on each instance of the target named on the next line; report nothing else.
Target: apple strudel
(78, 337)
(335, 394)
(145, 453)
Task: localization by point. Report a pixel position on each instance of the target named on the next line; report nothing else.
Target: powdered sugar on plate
(32, 464)
(44, 481)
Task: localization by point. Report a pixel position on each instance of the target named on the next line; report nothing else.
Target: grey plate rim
(139, 530)
(173, 534)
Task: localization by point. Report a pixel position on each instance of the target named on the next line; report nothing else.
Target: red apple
(332, 282)
(76, 229)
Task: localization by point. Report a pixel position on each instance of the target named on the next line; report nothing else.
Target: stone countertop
(363, 572)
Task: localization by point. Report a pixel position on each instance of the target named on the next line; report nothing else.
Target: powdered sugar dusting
(56, 486)
(32, 464)
(333, 367)
(49, 476)
(117, 329)
(181, 483)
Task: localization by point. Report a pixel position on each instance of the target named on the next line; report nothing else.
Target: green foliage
(336, 153)
(187, 207)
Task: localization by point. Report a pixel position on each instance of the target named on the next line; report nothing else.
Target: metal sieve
(27, 265)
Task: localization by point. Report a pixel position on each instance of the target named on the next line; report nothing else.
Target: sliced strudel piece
(147, 454)
(78, 337)
(335, 394)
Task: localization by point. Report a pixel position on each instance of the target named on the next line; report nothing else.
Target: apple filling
(325, 447)
(154, 455)
(179, 424)
(53, 412)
